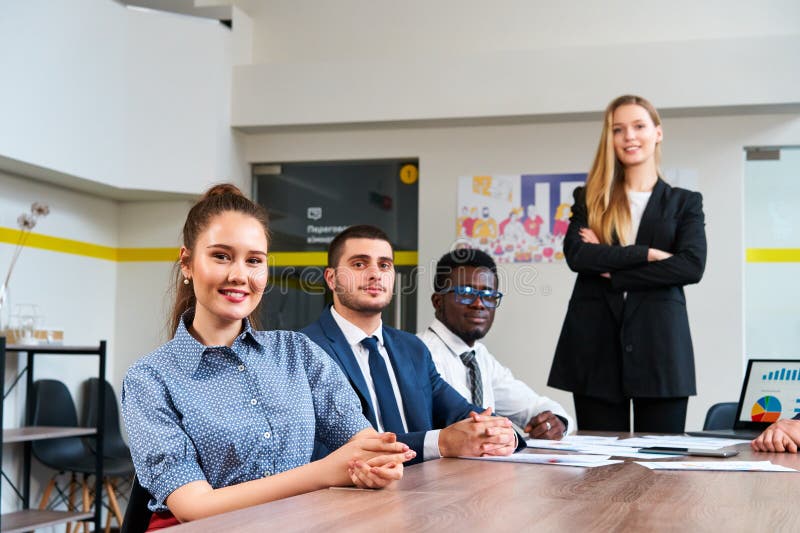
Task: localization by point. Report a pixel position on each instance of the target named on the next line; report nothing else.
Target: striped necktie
(475, 383)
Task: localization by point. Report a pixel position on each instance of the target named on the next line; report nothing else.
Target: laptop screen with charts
(771, 390)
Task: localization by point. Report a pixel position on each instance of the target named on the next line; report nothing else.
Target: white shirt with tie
(506, 395)
(354, 335)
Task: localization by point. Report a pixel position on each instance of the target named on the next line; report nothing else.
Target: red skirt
(162, 520)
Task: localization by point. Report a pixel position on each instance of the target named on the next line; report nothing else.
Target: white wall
(309, 31)
(357, 61)
(527, 326)
(66, 287)
(142, 302)
(122, 97)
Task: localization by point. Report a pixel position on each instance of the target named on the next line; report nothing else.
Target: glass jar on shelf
(24, 322)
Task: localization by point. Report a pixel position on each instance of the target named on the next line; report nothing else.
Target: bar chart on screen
(784, 374)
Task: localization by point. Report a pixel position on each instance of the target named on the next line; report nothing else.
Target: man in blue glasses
(391, 370)
(465, 299)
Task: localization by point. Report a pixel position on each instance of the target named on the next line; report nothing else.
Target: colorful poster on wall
(516, 218)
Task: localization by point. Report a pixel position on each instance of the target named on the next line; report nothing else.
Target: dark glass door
(308, 204)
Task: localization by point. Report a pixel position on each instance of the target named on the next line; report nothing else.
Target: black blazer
(640, 347)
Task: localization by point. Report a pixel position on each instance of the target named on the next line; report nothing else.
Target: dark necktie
(387, 403)
(475, 383)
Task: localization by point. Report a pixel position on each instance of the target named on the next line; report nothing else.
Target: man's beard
(351, 301)
(472, 335)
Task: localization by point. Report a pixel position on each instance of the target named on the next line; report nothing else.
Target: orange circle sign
(409, 174)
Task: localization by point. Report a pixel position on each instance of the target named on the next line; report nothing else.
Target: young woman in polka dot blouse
(224, 416)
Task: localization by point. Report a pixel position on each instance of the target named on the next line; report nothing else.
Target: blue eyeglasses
(465, 295)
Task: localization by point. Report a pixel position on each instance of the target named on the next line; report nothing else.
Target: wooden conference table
(458, 495)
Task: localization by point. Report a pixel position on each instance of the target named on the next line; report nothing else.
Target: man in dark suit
(392, 371)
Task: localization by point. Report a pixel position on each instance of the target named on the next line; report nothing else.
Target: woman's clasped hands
(370, 460)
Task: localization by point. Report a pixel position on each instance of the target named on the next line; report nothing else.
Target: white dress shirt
(506, 395)
(354, 335)
(638, 203)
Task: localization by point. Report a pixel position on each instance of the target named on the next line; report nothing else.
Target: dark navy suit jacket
(428, 400)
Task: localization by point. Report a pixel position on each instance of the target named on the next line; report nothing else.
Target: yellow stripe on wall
(70, 246)
(406, 258)
(773, 255)
(57, 244)
(109, 253)
(280, 259)
(148, 254)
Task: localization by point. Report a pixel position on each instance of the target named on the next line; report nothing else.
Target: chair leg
(108, 523)
(86, 503)
(46, 494)
(112, 501)
(71, 499)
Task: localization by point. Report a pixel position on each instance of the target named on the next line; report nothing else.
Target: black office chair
(114, 446)
(53, 406)
(113, 443)
(137, 515)
(721, 416)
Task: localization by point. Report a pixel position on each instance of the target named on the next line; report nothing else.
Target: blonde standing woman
(634, 241)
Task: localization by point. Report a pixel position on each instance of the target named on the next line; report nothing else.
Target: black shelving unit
(29, 519)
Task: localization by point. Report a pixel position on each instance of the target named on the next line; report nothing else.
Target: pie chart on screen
(766, 409)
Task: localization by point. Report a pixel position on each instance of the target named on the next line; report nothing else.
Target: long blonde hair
(609, 214)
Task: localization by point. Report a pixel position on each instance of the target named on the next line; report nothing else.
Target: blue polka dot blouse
(230, 415)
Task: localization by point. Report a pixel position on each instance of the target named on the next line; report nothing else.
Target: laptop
(771, 390)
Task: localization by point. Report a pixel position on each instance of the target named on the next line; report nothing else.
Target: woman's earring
(185, 281)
